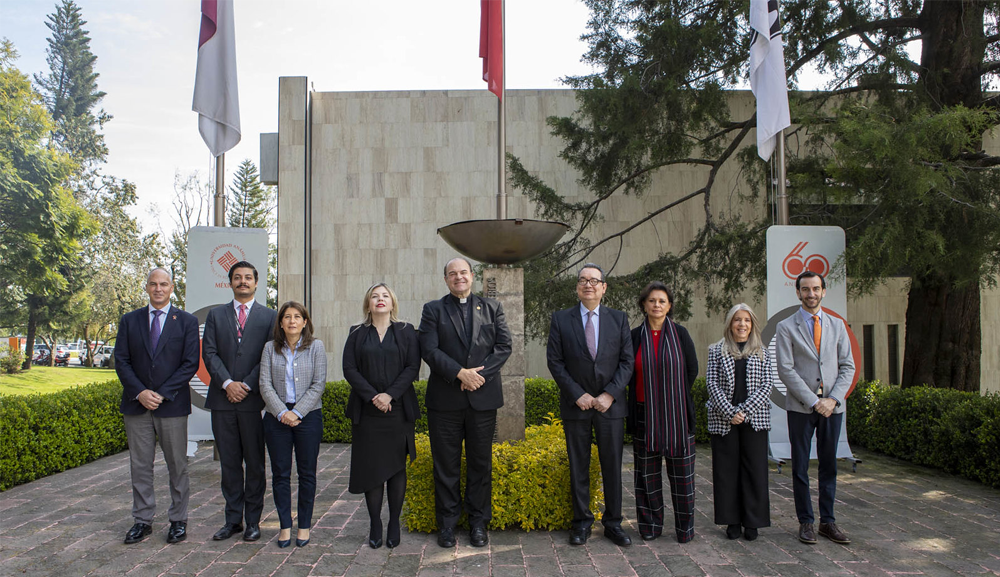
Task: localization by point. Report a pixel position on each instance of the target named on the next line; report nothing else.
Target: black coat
(227, 357)
(167, 370)
(401, 389)
(446, 349)
(690, 371)
(576, 373)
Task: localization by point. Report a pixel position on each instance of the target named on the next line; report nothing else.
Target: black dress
(380, 441)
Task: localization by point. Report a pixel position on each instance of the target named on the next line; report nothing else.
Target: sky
(147, 50)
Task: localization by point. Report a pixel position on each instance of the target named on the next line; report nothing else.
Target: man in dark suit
(464, 340)
(815, 363)
(235, 335)
(156, 354)
(590, 357)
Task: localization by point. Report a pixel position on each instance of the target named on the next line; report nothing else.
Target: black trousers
(610, 434)
(739, 477)
(302, 439)
(447, 431)
(801, 427)
(239, 437)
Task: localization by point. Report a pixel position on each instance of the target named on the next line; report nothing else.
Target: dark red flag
(491, 44)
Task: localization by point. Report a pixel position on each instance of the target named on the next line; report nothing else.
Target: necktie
(154, 329)
(817, 333)
(242, 320)
(591, 332)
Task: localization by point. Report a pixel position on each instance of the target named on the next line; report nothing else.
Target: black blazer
(227, 357)
(446, 349)
(167, 370)
(576, 373)
(690, 370)
(401, 389)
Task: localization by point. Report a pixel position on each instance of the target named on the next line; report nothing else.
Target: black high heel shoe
(282, 543)
(375, 536)
(392, 539)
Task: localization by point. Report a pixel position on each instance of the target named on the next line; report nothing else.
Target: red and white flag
(491, 44)
(216, 95)
(767, 74)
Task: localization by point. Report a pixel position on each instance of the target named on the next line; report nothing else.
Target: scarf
(663, 384)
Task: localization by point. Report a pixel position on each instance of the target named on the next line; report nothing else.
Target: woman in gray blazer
(292, 380)
(739, 416)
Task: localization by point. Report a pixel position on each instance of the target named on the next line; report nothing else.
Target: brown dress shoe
(833, 533)
(806, 533)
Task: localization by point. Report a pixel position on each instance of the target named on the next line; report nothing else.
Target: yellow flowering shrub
(530, 483)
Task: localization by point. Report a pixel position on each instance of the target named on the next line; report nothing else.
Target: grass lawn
(52, 379)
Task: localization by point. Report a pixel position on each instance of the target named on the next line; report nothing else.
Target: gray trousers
(142, 431)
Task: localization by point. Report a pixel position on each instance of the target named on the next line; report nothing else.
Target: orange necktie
(817, 331)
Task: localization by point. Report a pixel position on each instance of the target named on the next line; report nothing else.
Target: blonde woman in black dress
(381, 361)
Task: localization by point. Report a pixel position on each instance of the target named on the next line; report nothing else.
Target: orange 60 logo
(796, 264)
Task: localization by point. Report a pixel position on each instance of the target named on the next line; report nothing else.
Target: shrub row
(531, 487)
(46, 434)
(952, 430)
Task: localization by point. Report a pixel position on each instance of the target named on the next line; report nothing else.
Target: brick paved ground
(903, 519)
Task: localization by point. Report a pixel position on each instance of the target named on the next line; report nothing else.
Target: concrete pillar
(507, 286)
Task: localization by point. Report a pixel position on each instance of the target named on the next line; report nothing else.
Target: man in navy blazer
(590, 357)
(234, 338)
(156, 354)
(813, 351)
(465, 341)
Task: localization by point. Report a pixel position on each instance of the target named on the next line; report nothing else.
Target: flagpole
(220, 190)
(501, 123)
(780, 169)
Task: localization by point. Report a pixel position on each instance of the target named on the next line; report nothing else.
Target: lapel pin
(174, 317)
(479, 308)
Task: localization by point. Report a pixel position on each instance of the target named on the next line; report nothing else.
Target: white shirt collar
(584, 310)
(236, 305)
(165, 309)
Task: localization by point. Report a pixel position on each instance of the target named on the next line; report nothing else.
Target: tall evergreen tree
(892, 152)
(70, 87)
(251, 204)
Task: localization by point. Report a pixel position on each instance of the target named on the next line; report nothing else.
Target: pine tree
(251, 204)
(70, 88)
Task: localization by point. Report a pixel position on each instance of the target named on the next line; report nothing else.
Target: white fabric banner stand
(792, 250)
(212, 251)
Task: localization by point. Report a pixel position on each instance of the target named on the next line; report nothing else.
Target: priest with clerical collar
(464, 340)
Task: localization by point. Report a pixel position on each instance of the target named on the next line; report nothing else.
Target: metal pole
(501, 124)
(780, 169)
(220, 190)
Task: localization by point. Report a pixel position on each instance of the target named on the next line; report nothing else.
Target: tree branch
(912, 22)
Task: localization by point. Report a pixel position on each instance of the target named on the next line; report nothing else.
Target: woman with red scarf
(661, 415)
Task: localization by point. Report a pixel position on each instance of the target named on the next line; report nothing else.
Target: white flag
(216, 95)
(767, 74)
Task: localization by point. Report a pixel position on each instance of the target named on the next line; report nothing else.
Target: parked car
(102, 356)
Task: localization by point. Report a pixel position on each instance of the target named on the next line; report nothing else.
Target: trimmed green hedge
(951, 430)
(531, 487)
(46, 434)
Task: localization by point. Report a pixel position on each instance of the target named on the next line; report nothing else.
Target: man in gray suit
(816, 366)
(235, 335)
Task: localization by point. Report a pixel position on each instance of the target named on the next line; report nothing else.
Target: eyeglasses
(589, 281)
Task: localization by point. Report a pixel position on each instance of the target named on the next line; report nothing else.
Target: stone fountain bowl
(499, 242)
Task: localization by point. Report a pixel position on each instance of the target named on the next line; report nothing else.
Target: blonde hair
(754, 344)
(366, 306)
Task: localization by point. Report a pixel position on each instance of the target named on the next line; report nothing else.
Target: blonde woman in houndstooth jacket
(739, 387)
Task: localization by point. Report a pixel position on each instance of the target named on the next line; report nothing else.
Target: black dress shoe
(579, 536)
(478, 537)
(733, 531)
(252, 533)
(227, 531)
(648, 536)
(282, 543)
(749, 533)
(375, 543)
(177, 532)
(301, 542)
(446, 537)
(618, 536)
(137, 533)
(392, 538)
